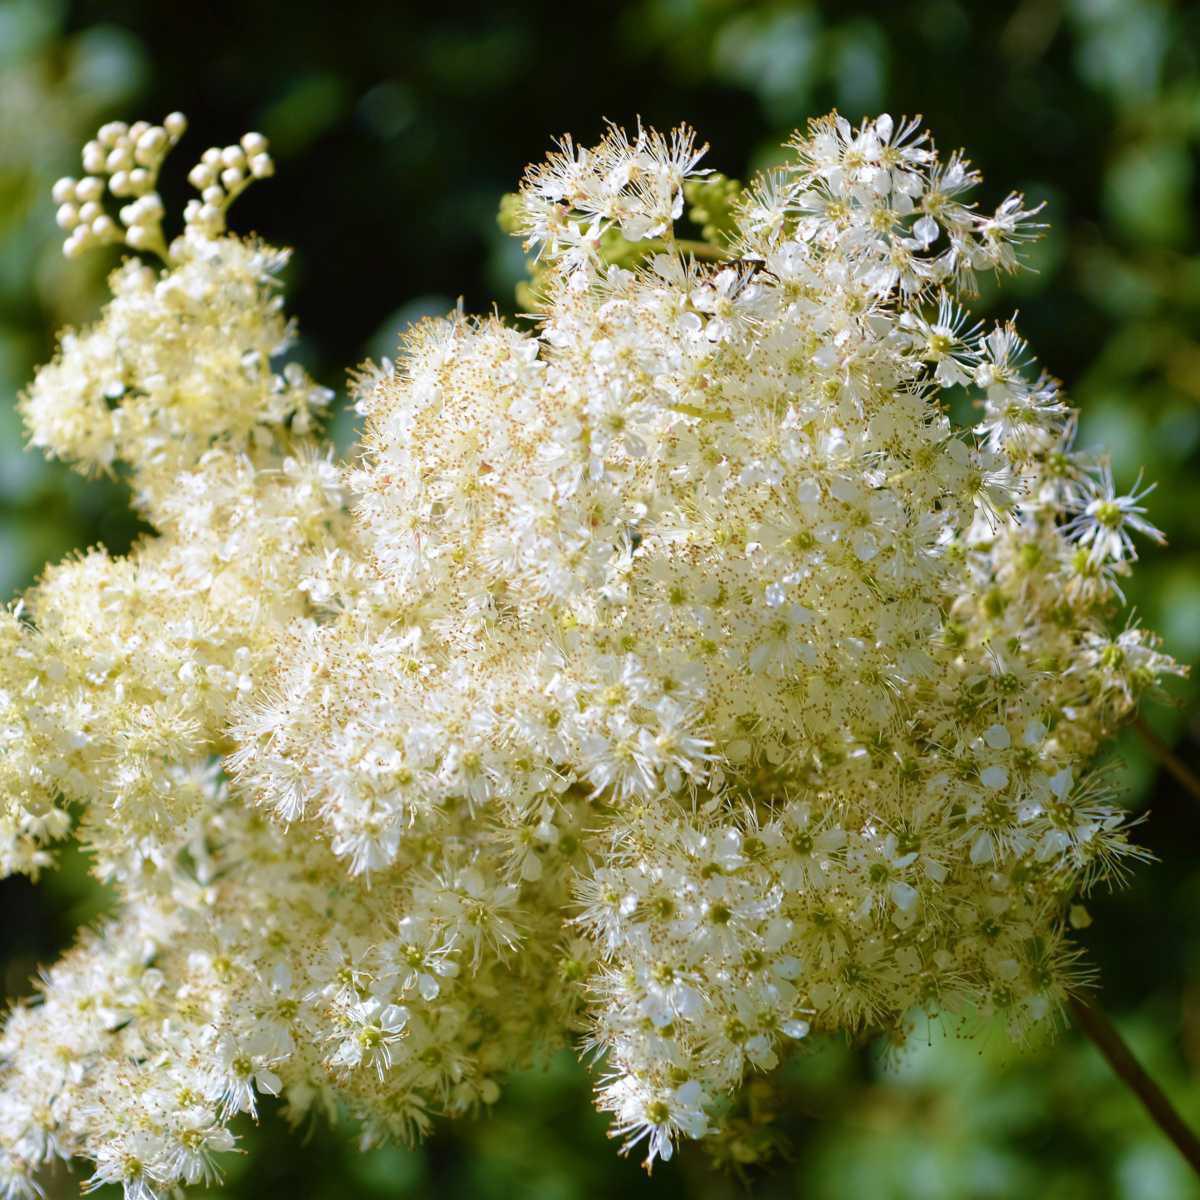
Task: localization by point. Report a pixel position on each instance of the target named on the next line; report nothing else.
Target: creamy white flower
(672, 666)
(1106, 520)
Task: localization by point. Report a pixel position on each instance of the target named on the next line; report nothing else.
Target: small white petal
(997, 737)
(981, 851)
(994, 777)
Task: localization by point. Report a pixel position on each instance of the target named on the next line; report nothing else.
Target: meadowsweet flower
(671, 669)
(1106, 520)
(660, 1117)
(240, 1071)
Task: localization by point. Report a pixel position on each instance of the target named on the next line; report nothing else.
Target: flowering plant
(672, 671)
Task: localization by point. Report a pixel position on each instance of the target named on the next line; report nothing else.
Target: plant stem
(1176, 767)
(697, 249)
(1109, 1042)
(702, 250)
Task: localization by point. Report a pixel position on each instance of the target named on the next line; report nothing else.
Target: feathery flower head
(672, 668)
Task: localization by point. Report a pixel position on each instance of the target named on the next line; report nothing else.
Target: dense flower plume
(672, 676)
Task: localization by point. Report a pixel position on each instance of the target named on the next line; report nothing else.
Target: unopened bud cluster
(673, 676)
(123, 160)
(221, 176)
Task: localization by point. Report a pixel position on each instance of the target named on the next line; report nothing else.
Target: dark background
(396, 127)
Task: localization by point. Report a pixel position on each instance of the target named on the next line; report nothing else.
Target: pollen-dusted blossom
(671, 668)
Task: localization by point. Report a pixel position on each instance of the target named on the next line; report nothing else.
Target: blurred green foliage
(397, 128)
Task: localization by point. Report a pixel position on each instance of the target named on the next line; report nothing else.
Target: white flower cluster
(675, 672)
